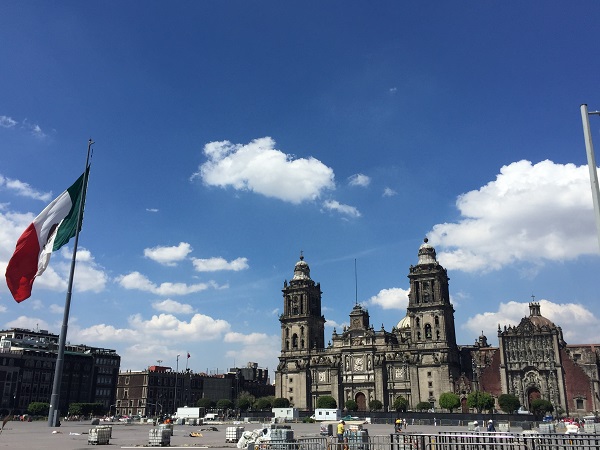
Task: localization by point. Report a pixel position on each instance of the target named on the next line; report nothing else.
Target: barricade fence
(440, 441)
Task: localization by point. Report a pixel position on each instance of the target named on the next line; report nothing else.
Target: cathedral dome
(301, 270)
(404, 323)
(536, 318)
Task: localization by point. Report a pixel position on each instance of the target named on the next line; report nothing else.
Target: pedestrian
(476, 428)
(405, 423)
(340, 431)
(490, 426)
(434, 422)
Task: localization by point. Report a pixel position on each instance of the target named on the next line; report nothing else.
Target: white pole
(589, 147)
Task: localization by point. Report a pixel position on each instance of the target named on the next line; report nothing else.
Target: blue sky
(231, 136)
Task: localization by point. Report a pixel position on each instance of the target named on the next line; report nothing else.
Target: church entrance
(361, 401)
(532, 394)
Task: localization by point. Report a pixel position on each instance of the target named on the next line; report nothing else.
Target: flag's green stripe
(68, 226)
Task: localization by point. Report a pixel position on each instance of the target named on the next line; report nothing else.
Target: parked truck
(190, 412)
(326, 414)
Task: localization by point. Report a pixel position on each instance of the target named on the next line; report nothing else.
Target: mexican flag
(48, 232)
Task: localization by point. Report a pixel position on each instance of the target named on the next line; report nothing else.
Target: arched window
(295, 341)
(427, 331)
(418, 322)
(437, 321)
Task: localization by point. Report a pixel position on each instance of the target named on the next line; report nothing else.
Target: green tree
(480, 401)
(539, 407)
(400, 404)
(224, 404)
(449, 401)
(281, 403)
(375, 405)
(263, 403)
(245, 400)
(38, 408)
(351, 405)
(422, 406)
(509, 403)
(326, 401)
(205, 403)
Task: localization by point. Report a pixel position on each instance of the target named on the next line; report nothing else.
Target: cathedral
(419, 358)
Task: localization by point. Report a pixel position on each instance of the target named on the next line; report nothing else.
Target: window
(428, 374)
(579, 403)
(430, 384)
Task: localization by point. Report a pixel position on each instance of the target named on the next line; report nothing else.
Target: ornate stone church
(419, 358)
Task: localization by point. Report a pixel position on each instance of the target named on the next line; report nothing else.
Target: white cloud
(393, 298)
(359, 179)
(389, 192)
(7, 122)
(24, 189)
(530, 213)
(579, 324)
(334, 205)
(34, 129)
(168, 256)
(152, 210)
(216, 264)
(171, 306)
(28, 322)
(137, 281)
(259, 167)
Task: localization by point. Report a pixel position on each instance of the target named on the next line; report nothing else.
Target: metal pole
(589, 147)
(53, 414)
(175, 399)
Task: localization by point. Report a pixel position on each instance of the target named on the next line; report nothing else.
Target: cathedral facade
(419, 358)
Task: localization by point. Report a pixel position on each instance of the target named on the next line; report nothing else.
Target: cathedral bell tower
(429, 308)
(302, 324)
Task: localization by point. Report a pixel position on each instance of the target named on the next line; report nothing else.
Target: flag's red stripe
(23, 265)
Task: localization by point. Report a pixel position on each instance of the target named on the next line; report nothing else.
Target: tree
(245, 400)
(509, 403)
(281, 403)
(205, 403)
(400, 404)
(449, 401)
(326, 401)
(422, 406)
(224, 404)
(263, 403)
(375, 405)
(351, 405)
(38, 408)
(480, 401)
(539, 407)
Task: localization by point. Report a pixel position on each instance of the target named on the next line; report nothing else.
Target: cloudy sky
(232, 136)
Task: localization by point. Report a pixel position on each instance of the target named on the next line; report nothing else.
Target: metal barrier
(441, 441)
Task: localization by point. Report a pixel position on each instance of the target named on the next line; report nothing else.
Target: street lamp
(110, 409)
(176, 372)
(591, 162)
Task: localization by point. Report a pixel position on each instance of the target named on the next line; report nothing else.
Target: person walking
(340, 431)
(490, 426)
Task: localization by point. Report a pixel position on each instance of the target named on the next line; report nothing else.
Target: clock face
(358, 364)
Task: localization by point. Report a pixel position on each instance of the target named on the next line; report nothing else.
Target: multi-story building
(419, 358)
(27, 364)
(161, 390)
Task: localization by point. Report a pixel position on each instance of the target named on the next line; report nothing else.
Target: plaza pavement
(74, 435)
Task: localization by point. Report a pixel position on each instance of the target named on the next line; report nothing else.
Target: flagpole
(53, 414)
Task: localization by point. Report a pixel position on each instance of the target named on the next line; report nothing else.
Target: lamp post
(176, 372)
(585, 118)
(110, 409)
